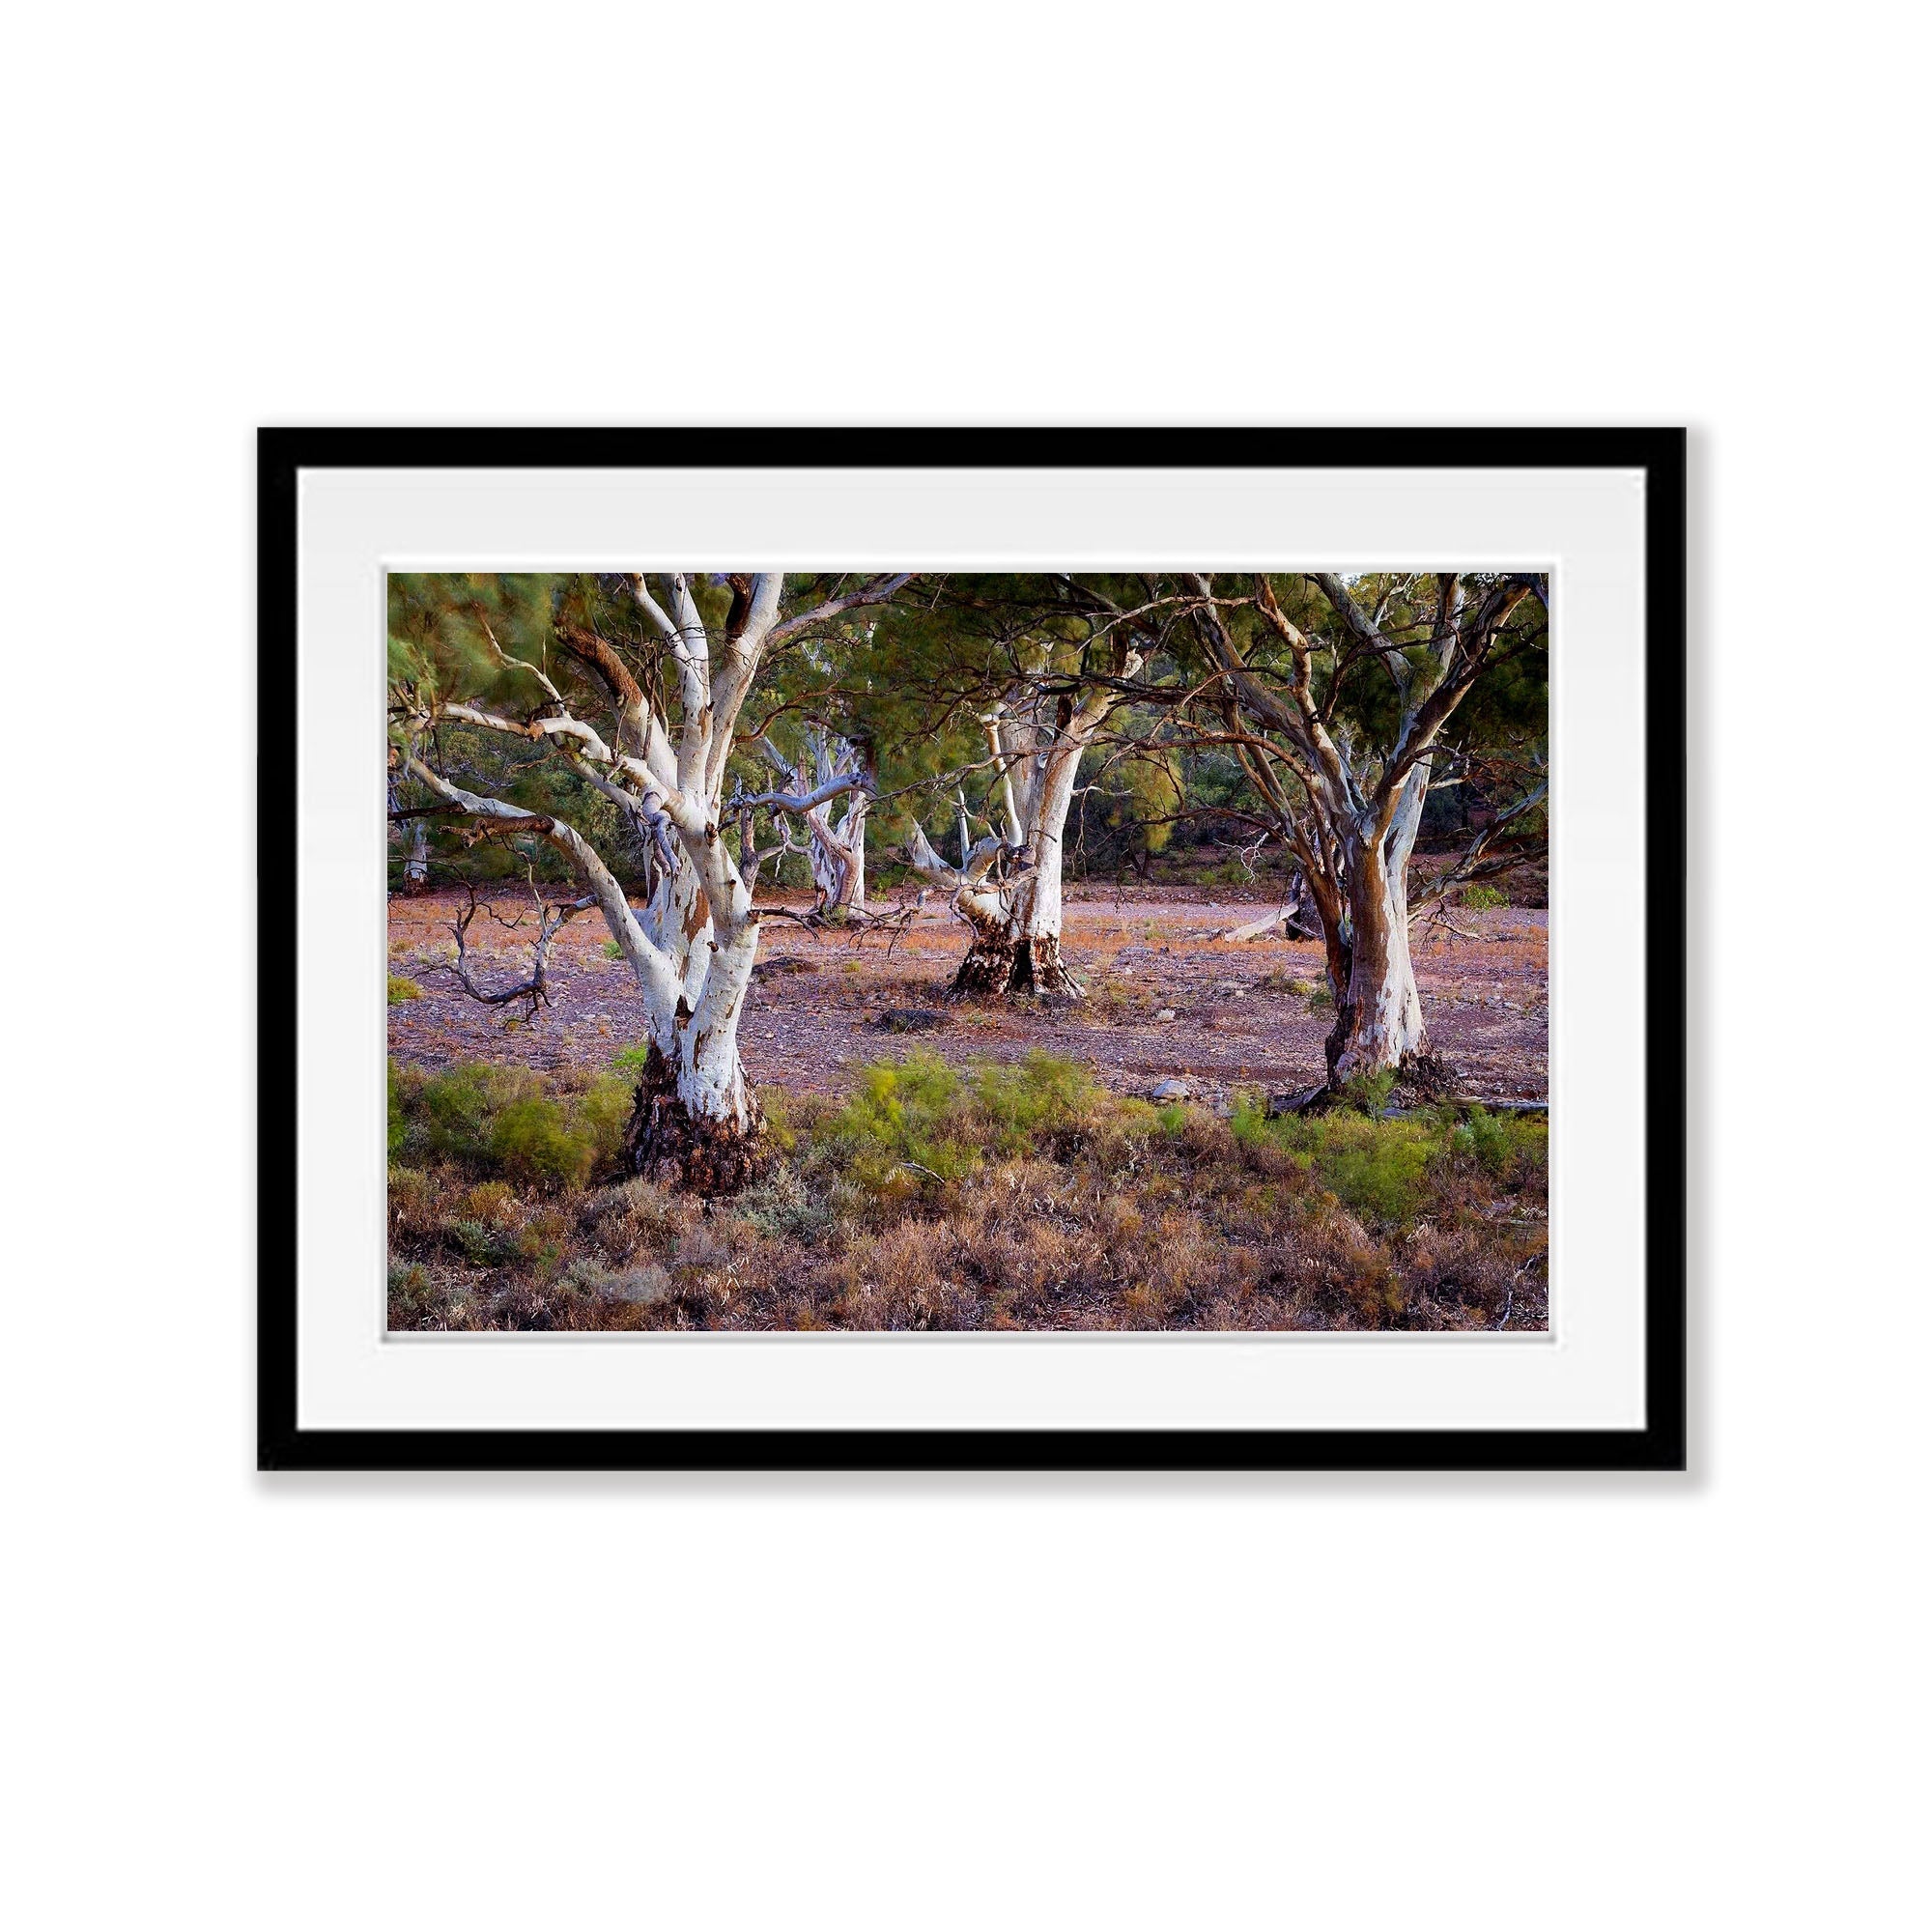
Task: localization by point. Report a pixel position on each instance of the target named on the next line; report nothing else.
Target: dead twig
(535, 987)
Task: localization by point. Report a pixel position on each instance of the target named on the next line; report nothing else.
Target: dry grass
(936, 1197)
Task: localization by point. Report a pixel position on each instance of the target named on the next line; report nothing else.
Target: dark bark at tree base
(664, 1141)
(1014, 967)
(1422, 1080)
(987, 969)
(1046, 970)
(1339, 1034)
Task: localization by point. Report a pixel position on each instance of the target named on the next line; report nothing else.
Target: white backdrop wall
(1346, 1702)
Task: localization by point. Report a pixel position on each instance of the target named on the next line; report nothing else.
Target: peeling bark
(667, 1141)
(834, 851)
(1353, 824)
(1008, 890)
(693, 946)
(1379, 1015)
(1378, 1025)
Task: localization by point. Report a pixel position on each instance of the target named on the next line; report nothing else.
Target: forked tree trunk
(835, 852)
(695, 1119)
(1359, 827)
(1015, 920)
(693, 950)
(838, 855)
(1378, 1026)
(1015, 925)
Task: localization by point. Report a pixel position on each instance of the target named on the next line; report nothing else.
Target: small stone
(1169, 1090)
(1165, 1013)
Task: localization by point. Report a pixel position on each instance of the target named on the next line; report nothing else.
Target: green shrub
(603, 1111)
(611, 949)
(904, 1111)
(531, 1141)
(1375, 1168)
(779, 1204)
(1484, 898)
(1370, 1092)
(504, 1121)
(450, 1114)
(1321, 1000)
(1378, 1170)
(1249, 1122)
(478, 1244)
(1502, 1145)
(779, 1126)
(1044, 1090)
(920, 1115)
(1286, 983)
(402, 988)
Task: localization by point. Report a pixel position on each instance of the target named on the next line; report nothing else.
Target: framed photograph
(972, 949)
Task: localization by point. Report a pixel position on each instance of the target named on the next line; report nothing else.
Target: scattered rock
(776, 968)
(912, 1020)
(1164, 1091)
(1165, 1013)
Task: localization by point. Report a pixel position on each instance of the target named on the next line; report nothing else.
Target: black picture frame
(1660, 1445)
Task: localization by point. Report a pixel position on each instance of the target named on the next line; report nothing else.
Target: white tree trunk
(416, 867)
(695, 1115)
(1378, 1026)
(1015, 925)
(1015, 916)
(838, 854)
(692, 949)
(1040, 885)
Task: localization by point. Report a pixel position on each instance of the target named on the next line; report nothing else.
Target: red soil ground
(1485, 997)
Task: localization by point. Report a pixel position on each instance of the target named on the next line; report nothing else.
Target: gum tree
(1337, 697)
(632, 690)
(1063, 660)
(836, 772)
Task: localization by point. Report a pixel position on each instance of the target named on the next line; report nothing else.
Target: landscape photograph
(901, 951)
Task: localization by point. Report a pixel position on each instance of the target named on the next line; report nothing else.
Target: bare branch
(534, 988)
(877, 591)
